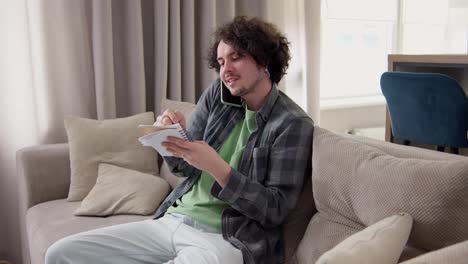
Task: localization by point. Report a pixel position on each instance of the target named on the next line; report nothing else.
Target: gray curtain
(107, 59)
(99, 59)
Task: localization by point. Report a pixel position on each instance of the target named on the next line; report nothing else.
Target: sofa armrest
(43, 173)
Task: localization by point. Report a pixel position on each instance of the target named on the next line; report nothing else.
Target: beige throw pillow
(112, 141)
(123, 191)
(185, 107)
(380, 243)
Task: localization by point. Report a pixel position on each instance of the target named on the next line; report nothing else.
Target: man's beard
(243, 90)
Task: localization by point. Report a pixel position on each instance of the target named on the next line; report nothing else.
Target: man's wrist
(221, 173)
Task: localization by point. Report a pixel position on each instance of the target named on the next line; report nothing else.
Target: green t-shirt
(198, 203)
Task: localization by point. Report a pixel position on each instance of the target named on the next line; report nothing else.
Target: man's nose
(227, 66)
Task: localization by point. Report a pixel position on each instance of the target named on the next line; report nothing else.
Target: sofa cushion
(113, 141)
(381, 243)
(410, 252)
(357, 182)
(123, 191)
(50, 221)
(454, 254)
(185, 107)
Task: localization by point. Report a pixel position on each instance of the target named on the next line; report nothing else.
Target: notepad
(155, 135)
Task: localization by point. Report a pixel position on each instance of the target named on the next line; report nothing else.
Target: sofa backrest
(358, 181)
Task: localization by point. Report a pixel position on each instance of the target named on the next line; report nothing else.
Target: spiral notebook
(155, 135)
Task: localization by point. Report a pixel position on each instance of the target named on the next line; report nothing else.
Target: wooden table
(454, 65)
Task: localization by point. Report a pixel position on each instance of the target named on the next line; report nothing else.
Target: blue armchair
(427, 108)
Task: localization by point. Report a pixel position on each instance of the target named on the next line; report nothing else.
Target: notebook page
(155, 139)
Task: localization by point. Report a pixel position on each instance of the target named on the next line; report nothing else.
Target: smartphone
(227, 98)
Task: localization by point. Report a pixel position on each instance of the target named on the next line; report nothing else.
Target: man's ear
(267, 72)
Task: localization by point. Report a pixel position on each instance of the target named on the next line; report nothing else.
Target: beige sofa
(356, 182)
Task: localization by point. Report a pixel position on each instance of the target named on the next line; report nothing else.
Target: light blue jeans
(174, 239)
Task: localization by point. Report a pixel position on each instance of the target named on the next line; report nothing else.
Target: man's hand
(200, 155)
(169, 117)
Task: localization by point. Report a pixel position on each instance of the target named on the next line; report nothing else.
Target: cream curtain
(301, 22)
(113, 58)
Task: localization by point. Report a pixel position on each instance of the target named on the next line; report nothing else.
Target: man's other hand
(169, 117)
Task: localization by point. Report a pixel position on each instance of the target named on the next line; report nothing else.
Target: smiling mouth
(230, 81)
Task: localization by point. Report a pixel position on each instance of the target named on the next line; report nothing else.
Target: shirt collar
(265, 110)
(250, 119)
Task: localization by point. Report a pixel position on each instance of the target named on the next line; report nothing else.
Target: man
(245, 167)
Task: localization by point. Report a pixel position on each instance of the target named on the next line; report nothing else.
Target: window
(358, 35)
(441, 28)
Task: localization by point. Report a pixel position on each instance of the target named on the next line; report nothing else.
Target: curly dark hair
(261, 40)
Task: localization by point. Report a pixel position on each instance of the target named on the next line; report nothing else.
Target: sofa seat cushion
(50, 221)
(358, 182)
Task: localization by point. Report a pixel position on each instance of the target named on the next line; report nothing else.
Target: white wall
(15, 82)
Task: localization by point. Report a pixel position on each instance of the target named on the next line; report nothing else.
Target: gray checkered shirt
(274, 164)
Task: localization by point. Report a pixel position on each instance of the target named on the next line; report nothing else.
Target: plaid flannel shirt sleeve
(289, 160)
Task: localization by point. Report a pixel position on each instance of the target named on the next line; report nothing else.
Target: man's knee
(61, 252)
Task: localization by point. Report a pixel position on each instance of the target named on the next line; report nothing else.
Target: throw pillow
(123, 191)
(380, 243)
(185, 107)
(112, 141)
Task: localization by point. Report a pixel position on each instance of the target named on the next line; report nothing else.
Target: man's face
(239, 71)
